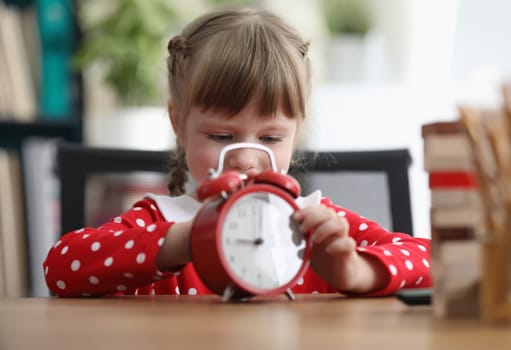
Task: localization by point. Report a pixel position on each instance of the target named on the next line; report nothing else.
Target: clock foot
(228, 293)
(290, 295)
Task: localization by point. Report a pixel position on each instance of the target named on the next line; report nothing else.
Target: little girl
(238, 75)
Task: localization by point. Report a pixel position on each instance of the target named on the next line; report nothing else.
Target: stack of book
(469, 167)
(456, 219)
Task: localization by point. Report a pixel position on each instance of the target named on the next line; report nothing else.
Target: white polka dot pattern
(95, 246)
(140, 258)
(425, 262)
(75, 265)
(129, 244)
(119, 257)
(404, 252)
(109, 261)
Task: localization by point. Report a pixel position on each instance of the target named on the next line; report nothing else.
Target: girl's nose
(242, 160)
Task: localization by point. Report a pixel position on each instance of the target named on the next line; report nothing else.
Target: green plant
(128, 40)
(232, 2)
(347, 16)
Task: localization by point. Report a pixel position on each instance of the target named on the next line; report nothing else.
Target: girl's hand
(334, 257)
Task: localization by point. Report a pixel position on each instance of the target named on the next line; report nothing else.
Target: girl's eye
(220, 137)
(270, 139)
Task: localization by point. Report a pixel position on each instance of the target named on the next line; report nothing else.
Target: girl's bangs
(238, 67)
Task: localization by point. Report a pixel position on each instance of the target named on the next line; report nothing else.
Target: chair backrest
(76, 164)
(372, 183)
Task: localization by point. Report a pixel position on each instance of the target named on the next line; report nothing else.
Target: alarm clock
(243, 240)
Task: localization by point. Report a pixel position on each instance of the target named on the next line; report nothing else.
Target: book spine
(452, 179)
(56, 37)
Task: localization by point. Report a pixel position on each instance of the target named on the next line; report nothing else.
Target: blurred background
(381, 69)
(95, 70)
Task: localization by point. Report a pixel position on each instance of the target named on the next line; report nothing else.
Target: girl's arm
(357, 256)
(118, 256)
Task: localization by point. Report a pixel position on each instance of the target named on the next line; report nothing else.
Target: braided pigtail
(178, 174)
(177, 50)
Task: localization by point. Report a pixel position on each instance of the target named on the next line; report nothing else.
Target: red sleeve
(406, 259)
(118, 256)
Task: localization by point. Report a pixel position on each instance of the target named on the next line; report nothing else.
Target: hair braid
(178, 174)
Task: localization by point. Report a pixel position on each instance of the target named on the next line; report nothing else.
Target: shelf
(12, 133)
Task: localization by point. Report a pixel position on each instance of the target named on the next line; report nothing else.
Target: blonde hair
(225, 59)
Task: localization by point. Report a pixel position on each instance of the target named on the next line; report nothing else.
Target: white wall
(483, 38)
(427, 57)
(376, 116)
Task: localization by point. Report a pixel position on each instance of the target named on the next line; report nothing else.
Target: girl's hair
(226, 58)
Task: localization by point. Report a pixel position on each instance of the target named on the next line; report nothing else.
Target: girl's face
(206, 132)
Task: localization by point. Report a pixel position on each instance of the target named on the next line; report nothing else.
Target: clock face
(261, 244)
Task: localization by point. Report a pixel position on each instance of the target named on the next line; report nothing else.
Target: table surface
(204, 322)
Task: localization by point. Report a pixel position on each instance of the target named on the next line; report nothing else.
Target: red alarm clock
(243, 240)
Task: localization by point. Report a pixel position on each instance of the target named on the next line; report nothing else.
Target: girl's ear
(173, 117)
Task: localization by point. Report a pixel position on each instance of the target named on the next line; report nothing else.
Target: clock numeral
(232, 226)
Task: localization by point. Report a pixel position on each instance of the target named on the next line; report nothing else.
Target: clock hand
(257, 241)
(259, 227)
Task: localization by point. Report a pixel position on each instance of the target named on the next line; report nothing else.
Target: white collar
(184, 208)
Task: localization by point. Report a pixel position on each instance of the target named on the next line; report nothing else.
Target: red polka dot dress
(119, 257)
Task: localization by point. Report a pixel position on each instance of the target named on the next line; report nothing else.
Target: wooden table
(203, 322)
